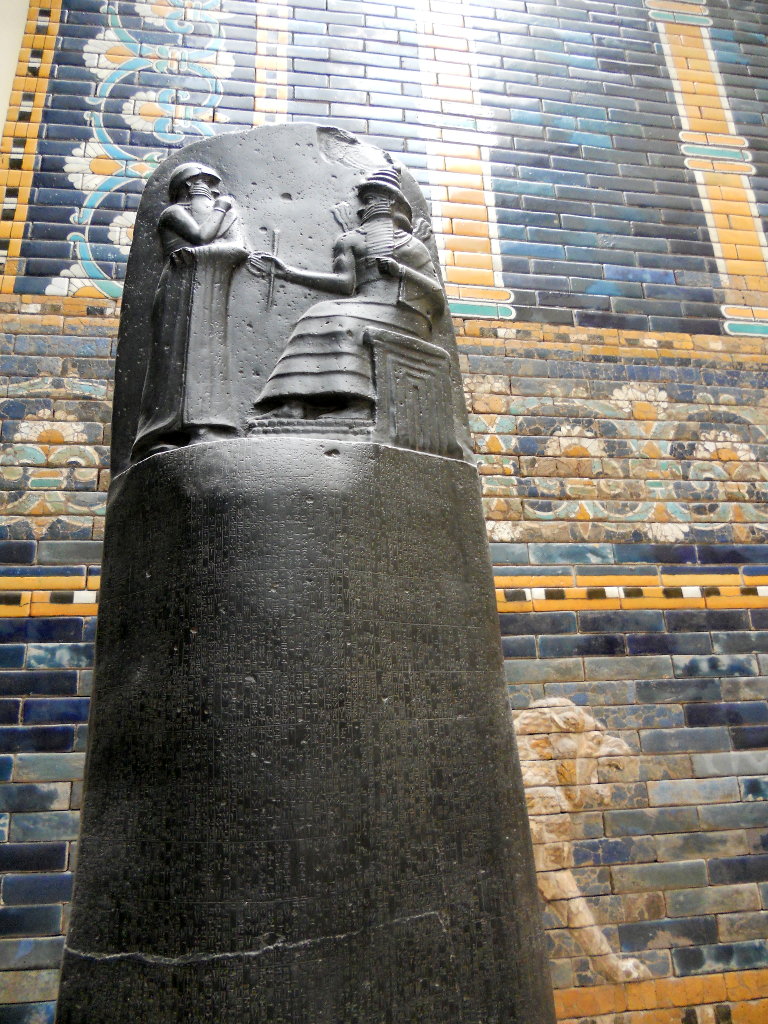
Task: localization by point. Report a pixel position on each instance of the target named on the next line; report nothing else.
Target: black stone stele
(303, 802)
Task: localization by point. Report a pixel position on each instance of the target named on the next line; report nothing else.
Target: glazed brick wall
(597, 174)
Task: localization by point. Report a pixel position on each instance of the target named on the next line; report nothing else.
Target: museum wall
(598, 174)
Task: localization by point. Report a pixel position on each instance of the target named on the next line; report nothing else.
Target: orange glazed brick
(743, 985)
(642, 996)
(577, 1002)
(751, 1013)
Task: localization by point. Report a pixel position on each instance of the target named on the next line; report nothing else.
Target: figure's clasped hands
(183, 257)
(266, 263)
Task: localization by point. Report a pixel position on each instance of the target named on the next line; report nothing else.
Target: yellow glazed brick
(42, 582)
(468, 243)
(16, 611)
(47, 610)
(467, 275)
(475, 292)
(479, 260)
(464, 211)
(462, 227)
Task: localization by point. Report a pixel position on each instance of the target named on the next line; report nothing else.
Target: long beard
(379, 231)
(200, 190)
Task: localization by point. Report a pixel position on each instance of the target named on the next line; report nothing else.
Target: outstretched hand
(266, 263)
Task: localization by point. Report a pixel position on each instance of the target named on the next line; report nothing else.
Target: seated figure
(384, 278)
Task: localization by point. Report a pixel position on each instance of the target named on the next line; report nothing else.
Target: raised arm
(342, 279)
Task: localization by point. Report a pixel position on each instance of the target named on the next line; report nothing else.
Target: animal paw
(627, 968)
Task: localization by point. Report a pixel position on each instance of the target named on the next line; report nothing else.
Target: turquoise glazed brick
(693, 791)
(690, 874)
(29, 953)
(49, 767)
(61, 656)
(718, 899)
(43, 826)
(28, 1013)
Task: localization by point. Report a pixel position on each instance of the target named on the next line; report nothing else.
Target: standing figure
(187, 388)
(387, 279)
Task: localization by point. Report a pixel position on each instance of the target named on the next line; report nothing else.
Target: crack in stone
(200, 958)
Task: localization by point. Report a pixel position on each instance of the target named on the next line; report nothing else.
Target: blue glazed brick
(53, 630)
(81, 738)
(27, 739)
(60, 629)
(566, 646)
(715, 665)
(656, 691)
(11, 655)
(688, 874)
(37, 888)
(45, 825)
(570, 554)
(33, 856)
(669, 643)
(34, 683)
(9, 711)
(60, 655)
(19, 796)
(13, 630)
(6, 767)
(734, 870)
(28, 1013)
(679, 931)
(89, 628)
(33, 920)
(613, 851)
(646, 716)
(70, 552)
(60, 767)
(19, 552)
(76, 572)
(519, 646)
(674, 554)
(754, 788)
(739, 643)
(727, 713)
(681, 792)
(712, 959)
(668, 741)
(749, 737)
(651, 822)
(26, 954)
(509, 554)
(703, 620)
(43, 711)
(615, 621)
(724, 816)
(739, 554)
(537, 623)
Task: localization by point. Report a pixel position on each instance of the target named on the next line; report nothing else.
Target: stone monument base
(303, 803)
